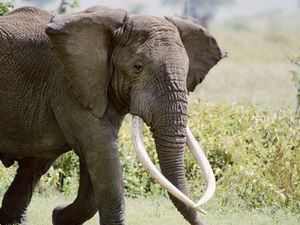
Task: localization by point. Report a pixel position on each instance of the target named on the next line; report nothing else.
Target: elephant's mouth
(198, 154)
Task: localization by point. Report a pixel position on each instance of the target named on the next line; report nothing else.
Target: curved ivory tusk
(137, 135)
(202, 161)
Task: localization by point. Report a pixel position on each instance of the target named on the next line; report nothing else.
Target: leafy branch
(65, 5)
(5, 7)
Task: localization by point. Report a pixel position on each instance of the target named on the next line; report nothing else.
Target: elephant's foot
(8, 217)
(59, 217)
(62, 215)
(82, 209)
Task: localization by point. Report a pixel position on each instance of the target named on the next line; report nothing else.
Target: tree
(66, 5)
(201, 10)
(5, 7)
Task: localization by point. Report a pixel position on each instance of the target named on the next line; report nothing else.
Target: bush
(254, 153)
(5, 7)
(63, 175)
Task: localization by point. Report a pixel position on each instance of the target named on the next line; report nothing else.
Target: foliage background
(5, 7)
(254, 153)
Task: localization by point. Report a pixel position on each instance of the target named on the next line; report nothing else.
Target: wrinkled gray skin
(70, 87)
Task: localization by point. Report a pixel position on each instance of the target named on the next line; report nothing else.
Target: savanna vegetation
(243, 115)
(255, 154)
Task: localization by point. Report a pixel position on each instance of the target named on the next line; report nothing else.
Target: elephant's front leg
(83, 207)
(18, 195)
(95, 140)
(106, 176)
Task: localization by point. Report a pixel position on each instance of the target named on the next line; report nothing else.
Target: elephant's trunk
(172, 168)
(162, 103)
(169, 134)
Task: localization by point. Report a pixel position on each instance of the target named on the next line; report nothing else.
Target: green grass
(159, 210)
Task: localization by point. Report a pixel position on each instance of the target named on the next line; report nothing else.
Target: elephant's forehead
(151, 23)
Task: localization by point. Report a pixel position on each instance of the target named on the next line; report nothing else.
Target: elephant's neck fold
(120, 106)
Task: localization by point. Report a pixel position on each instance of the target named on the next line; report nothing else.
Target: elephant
(67, 82)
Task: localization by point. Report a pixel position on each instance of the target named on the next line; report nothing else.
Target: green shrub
(63, 175)
(5, 7)
(258, 153)
(254, 153)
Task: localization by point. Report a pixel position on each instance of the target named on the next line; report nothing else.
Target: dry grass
(263, 84)
(257, 69)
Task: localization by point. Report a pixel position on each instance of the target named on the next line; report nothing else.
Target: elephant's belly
(27, 124)
(40, 146)
(26, 138)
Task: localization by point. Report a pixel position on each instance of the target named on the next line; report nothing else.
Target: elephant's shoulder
(26, 24)
(23, 31)
(31, 19)
(30, 12)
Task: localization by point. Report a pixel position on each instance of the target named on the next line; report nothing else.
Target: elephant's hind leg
(84, 206)
(18, 195)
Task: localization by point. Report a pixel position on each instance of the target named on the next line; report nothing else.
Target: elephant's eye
(138, 68)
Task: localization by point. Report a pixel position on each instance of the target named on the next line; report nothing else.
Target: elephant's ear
(202, 49)
(82, 42)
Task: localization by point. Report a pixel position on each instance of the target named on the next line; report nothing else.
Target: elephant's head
(144, 65)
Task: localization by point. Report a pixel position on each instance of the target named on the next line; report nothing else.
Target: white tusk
(142, 155)
(202, 161)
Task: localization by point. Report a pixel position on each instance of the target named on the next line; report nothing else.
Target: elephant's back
(23, 27)
(25, 49)
(25, 21)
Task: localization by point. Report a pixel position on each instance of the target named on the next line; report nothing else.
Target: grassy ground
(157, 211)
